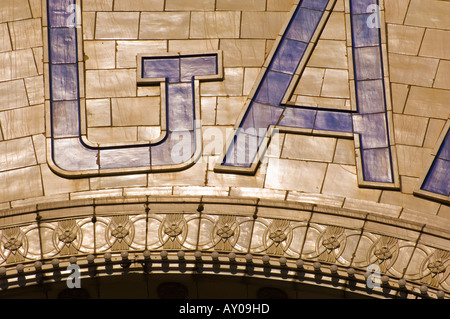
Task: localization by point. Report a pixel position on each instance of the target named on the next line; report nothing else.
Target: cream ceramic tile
(436, 44)
(35, 89)
(329, 54)
(40, 148)
(14, 10)
(117, 25)
(136, 111)
(186, 46)
(230, 86)
(434, 130)
(262, 25)
(139, 5)
(436, 101)
(412, 70)
(118, 181)
(399, 94)
(100, 54)
(345, 152)
(250, 77)
(22, 183)
(215, 24)
(335, 84)
(208, 108)
(408, 184)
(5, 40)
(108, 135)
(335, 27)
(88, 25)
(194, 176)
(295, 175)
(53, 184)
(127, 51)
(237, 5)
(200, 5)
(420, 11)
(322, 102)
(279, 5)
(310, 82)
(23, 122)
(26, 33)
(410, 202)
(305, 147)
(17, 64)
(36, 8)
(409, 130)
(342, 180)
(444, 211)
(16, 154)
(97, 5)
(12, 94)
(442, 80)
(412, 160)
(395, 10)
(165, 25)
(404, 39)
(228, 109)
(243, 52)
(98, 112)
(39, 59)
(110, 83)
(148, 133)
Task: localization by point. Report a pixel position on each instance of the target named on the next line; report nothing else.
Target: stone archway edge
(348, 238)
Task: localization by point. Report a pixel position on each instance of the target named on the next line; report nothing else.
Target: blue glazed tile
(125, 157)
(377, 165)
(176, 148)
(298, 117)
(168, 68)
(333, 121)
(64, 82)
(65, 119)
(195, 66)
(362, 34)
(444, 150)
(367, 63)
(437, 180)
(180, 107)
(243, 151)
(314, 4)
(259, 117)
(272, 88)
(303, 25)
(370, 96)
(70, 154)
(373, 130)
(288, 56)
(63, 45)
(61, 13)
(361, 6)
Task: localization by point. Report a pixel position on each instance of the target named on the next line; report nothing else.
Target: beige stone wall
(304, 168)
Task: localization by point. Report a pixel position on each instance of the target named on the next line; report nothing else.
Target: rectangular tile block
(117, 25)
(110, 83)
(136, 111)
(165, 25)
(16, 154)
(26, 33)
(22, 183)
(215, 25)
(23, 122)
(12, 94)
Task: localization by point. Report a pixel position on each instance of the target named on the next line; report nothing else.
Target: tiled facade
(97, 96)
